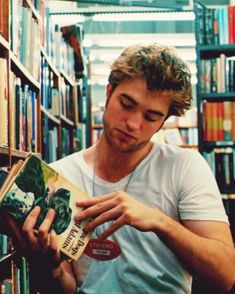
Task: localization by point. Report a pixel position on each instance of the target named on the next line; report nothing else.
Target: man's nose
(134, 121)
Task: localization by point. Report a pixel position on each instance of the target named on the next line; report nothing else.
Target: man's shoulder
(174, 151)
(63, 162)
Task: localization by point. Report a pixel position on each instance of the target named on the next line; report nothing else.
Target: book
(32, 182)
(172, 136)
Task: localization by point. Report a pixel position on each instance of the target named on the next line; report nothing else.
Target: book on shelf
(3, 103)
(32, 182)
(215, 25)
(173, 136)
(1, 17)
(219, 121)
(73, 35)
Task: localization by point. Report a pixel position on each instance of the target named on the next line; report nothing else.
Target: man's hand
(42, 243)
(43, 254)
(120, 208)
(9, 227)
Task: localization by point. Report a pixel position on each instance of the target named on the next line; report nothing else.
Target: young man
(159, 203)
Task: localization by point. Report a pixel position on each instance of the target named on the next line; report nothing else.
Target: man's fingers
(31, 219)
(113, 227)
(14, 231)
(95, 200)
(44, 229)
(94, 210)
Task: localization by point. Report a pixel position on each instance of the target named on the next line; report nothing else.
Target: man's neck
(113, 165)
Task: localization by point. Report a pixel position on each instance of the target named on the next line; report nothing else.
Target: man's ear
(108, 90)
(108, 93)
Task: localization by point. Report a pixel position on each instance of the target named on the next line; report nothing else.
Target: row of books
(3, 103)
(49, 88)
(66, 92)
(23, 105)
(63, 46)
(222, 164)
(22, 102)
(189, 136)
(50, 143)
(219, 121)
(216, 25)
(177, 136)
(97, 117)
(80, 137)
(66, 141)
(29, 31)
(50, 139)
(37, 4)
(73, 35)
(25, 37)
(4, 245)
(217, 74)
(189, 119)
(17, 279)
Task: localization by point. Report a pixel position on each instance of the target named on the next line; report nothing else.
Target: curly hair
(162, 69)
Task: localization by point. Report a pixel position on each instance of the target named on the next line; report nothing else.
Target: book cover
(4, 103)
(34, 183)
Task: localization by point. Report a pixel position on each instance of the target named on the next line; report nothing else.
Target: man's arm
(60, 280)
(205, 248)
(49, 274)
(56, 275)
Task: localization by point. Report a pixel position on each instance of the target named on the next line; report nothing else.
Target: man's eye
(150, 118)
(126, 106)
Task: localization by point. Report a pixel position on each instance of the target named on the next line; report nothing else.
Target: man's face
(133, 114)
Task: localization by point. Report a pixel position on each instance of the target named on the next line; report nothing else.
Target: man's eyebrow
(154, 112)
(129, 98)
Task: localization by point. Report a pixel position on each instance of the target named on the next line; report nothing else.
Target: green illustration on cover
(35, 186)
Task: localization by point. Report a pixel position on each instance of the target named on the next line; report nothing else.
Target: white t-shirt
(177, 181)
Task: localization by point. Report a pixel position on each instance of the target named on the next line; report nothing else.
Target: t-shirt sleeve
(199, 195)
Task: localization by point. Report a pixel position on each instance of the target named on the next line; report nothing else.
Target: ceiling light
(124, 40)
(146, 16)
(67, 19)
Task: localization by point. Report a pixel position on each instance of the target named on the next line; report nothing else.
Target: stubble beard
(117, 145)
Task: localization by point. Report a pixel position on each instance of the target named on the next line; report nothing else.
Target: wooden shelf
(33, 9)
(218, 48)
(191, 146)
(215, 97)
(47, 59)
(179, 127)
(23, 72)
(67, 121)
(50, 115)
(4, 153)
(4, 150)
(67, 78)
(97, 126)
(228, 191)
(4, 43)
(6, 258)
(215, 144)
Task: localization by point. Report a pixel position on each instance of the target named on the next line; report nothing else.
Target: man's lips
(125, 136)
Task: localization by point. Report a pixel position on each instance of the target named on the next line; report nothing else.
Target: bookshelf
(215, 37)
(41, 87)
(182, 131)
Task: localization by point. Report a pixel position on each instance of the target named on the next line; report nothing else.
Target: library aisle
(54, 64)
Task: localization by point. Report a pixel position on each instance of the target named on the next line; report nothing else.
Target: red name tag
(102, 249)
